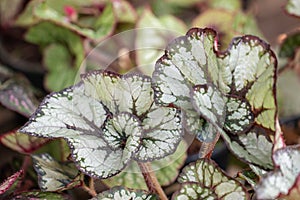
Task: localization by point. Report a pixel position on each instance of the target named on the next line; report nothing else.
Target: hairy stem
(207, 148)
(151, 180)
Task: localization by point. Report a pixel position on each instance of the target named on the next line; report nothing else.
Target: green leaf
(124, 193)
(61, 72)
(166, 171)
(220, 19)
(249, 176)
(55, 176)
(204, 179)
(233, 90)
(124, 11)
(293, 7)
(22, 143)
(289, 45)
(63, 53)
(231, 5)
(284, 180)
(16, 95)
(28, 18)
(102, 27)
(8, 186)
(152, 36)
(46, 33)
(38, 195)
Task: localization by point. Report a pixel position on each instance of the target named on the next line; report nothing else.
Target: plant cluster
(124, 135)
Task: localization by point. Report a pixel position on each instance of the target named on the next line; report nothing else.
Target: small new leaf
(55, 176)
(124, 193)
(204, 179)
(284, 180)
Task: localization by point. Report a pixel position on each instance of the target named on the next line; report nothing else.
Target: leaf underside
(21, 142)
(233, 91)
(16, 96)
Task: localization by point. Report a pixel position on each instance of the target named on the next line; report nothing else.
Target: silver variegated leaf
(123, 131)
(72, 115)
(177, 72)
(65, 114)
(55, 176)
(205, 179)
(284, 180)
(161, 126)
(234, 91)
(189, 191)
(128, 93)
(165, 169)
(293, 7)
(108, 128)
(162, 133)
(121, 193)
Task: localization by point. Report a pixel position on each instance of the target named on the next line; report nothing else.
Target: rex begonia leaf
(233, 90)
(55, 176)
(71, 115)
(108, 120)
(283, 182)
(205, 180)
(124, 194)
(133, 94)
